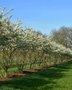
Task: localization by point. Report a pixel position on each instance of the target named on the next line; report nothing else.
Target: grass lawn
(54, 78)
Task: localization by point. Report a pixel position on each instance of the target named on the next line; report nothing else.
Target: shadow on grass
(43, 80)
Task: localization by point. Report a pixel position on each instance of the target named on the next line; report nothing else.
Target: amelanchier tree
(8, 38)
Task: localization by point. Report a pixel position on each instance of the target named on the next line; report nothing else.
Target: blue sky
(41, 15)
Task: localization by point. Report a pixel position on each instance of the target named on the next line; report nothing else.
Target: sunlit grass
(54, 78)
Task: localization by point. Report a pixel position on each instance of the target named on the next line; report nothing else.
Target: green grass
(58, 77)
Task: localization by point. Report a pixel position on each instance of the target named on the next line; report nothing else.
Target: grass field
(58, 77)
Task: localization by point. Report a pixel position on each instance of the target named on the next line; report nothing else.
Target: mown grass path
(58, 77)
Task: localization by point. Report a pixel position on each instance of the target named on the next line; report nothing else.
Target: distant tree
(63, 36)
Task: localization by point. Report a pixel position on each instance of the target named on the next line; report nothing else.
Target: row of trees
(21, 47)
